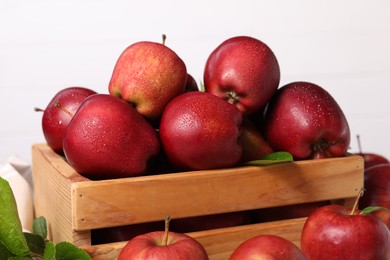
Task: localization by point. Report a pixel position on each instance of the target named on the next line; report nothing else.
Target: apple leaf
(68, 251)
(371, 209)
(35, 242)
(50, 251)
(275, 157)
(11, 232)
(18, 245)
(40, 227)
(4, 252)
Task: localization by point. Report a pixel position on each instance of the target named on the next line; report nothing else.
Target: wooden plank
(52, 184)
(219, 243)
(143, 199)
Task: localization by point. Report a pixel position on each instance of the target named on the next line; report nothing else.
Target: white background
(46, 46)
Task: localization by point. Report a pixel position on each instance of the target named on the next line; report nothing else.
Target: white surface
(47, 45)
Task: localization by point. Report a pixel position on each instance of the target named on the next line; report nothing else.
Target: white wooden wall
(47, 45)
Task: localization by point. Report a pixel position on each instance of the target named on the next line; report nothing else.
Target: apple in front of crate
(303, 119)
(200, 131)
(336, 232)
(163, 245)
(107, 138)
(377, 190)
(59, 112)
(244, 71)
(267, 247)
(148, 75)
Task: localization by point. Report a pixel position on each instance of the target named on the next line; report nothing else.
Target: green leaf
(50, 251)
(68, 251)
(40, 227)
(36, 243)
(20, 258)
(4, 252)
(371, 209)
(11, 231)
(275, 157)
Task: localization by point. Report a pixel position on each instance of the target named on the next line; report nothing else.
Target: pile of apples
(155, 119)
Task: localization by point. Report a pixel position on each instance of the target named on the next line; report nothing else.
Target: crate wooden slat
(73, 205)
(134, 200)
(53, 179)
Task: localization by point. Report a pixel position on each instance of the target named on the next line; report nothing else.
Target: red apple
(305, 120)
(244, 71)
(107, 138)
(191, 84)
(370, 159)
(163, 245)
(334, 232)
(55, 120)
(200, 131)
(214, 221)
(254, 145)
(148, 75)
(377, 190)
(269, 247)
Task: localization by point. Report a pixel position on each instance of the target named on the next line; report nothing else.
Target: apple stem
(57, 104)
(164, 37)
(355, 205)
(232, 97)
(37, 109)
(166, 233)
(359, 143)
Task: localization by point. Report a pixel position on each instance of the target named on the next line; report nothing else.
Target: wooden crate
(74, 205)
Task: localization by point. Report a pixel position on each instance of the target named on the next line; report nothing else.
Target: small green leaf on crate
(36, 243)
(371, 209)
(50, 251)
(275, 157)
(11, 232)
(40, 227)
(68, 251)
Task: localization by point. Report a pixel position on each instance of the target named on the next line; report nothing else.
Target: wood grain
(53, 178)
(144, 199)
